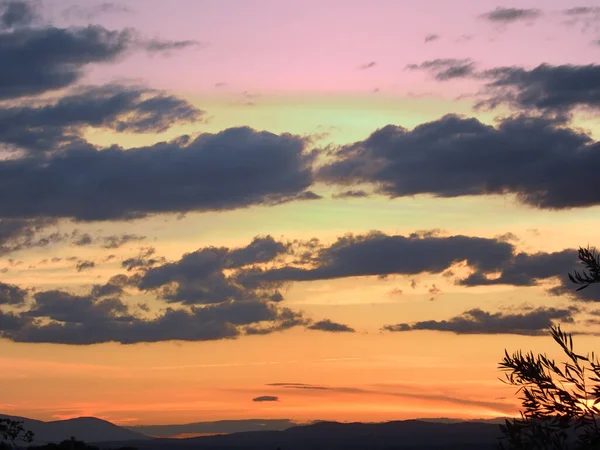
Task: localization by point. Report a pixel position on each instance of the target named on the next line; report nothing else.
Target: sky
(341, 210)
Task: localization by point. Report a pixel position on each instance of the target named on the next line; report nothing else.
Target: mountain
(217, 427)
(88, 429)
(407, 435)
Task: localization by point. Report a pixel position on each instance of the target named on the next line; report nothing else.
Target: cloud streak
(511, 15)
(331, 327)
(530, 323)
(266, 398)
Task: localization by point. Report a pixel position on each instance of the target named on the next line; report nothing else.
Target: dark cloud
(11, 294)
(144, 260)
(116, 241)
(332, 327)
(531, 323)
(435, 290)
(368, 65)
(114, 287)
(235, 168)
(266, 398)
(431, 37)
(533, 269)
(68, 308)
(17, 14)
(81, 320)
(351, 194)
(546, 88)
(511, 15)
(85, 265)
(527, 269)
(537, 159)
(91, 12)
(23, 234)
(582, 11)
(298, 386)
(200, 277)
(380, 254)
(446, 69)
(102, 316)
(159, 46)
(83, 240)
(36, 60)
(55, 125)
(261, 249)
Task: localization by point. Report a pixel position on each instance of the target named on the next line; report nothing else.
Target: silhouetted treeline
(70, 444)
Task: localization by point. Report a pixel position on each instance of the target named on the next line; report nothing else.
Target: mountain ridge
(89, 429)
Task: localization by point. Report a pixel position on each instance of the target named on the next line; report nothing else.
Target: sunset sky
(302, 209)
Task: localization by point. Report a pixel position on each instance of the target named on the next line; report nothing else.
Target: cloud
(159, 46)
(534, 158)
(114, 287)
(235, 168)
(116, 241)
(582, 11)
(91, 12)
(377, 254)
(446, 69)
(301, 386)
(59, 124)
(200, 277)
(545, 88)
(532, 269)
(409, 392)
(39, 58)
(22, 234)
(431, 37)
(588, 17)
(266, 398)
(531, 323)
(368, 65)
(332, 327)
(351, 194)
(11, 294)
(16, 14)
(85, 265)
(83, 240)
(511, 15)
(101, 316)
(143, 260)
(527, 269)
(112, 241)
(69, 308)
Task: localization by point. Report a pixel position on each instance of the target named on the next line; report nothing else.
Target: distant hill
(429, 434)
(407, 435)
(217, 427)
(88, 429)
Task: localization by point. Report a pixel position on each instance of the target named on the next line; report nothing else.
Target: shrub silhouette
(560, 403)
(13, 431)
(73, 444)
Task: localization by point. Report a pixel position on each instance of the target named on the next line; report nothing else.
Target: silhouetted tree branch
(13, 431)
(591, 260)
(560, 403)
